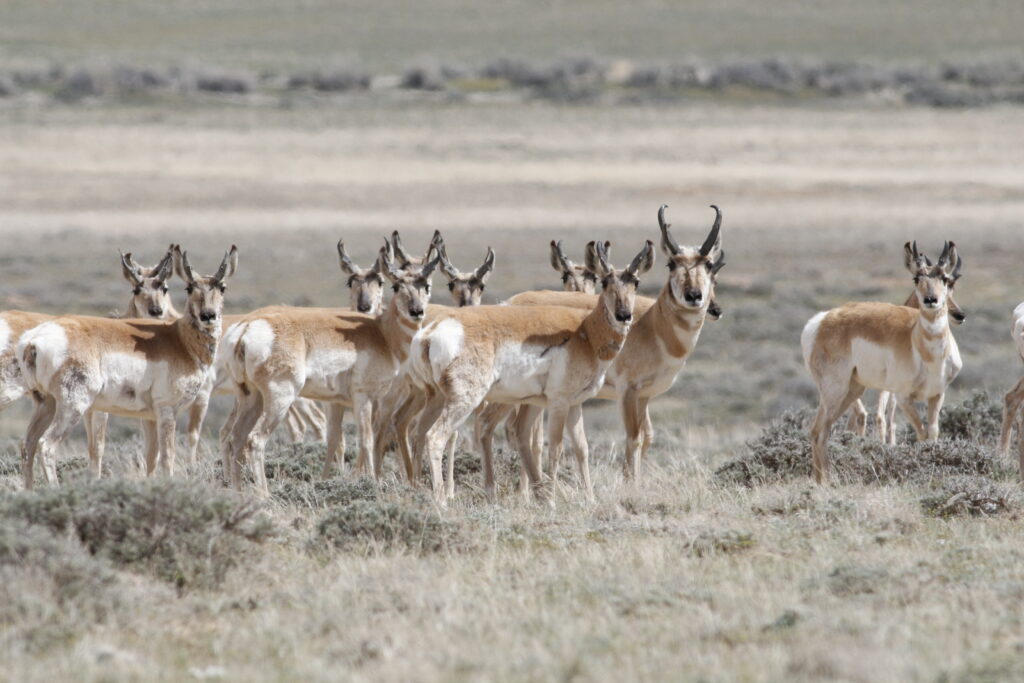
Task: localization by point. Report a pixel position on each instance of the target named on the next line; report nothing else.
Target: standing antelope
(1015, 398)
(545, 356)
(151, 370)
(340, 357)
(658, 344)
(911, 353)
(885, 413)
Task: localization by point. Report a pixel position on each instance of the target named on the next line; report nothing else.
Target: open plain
(724, 562)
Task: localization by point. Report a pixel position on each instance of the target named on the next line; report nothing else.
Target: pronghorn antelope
(657, 346)
(1015, 398)
(911, 353)
(340, 357)
(403, 403)
(885, 412)
(545, 356)
(135, 368)
(366, 289)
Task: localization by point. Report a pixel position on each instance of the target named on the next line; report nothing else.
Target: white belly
(522, 372)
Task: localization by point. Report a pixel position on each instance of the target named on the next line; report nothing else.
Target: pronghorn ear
(643, 261)
(181, 266)
(911, 259)
(164, 269)
(591, 260)
(344, 261)
(559, 261)
(950, 258)
(604, 266)
(227, 266)
(386, 262)
(130, 269)
(484, 271)
(668, 243)
(398, 252)
(713, 244)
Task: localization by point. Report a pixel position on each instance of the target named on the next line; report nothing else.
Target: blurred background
(829, 133)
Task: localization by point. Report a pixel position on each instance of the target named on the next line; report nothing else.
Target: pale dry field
(686, 577)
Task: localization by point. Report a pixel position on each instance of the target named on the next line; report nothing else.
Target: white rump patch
(51, 343)
(5, 334)
(1018, 329)
(259, 341)
(446, 341)
(810, 335)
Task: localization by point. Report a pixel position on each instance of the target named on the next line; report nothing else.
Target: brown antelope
(911, 353)
(885, 412)
(404, 402)
(546, 356)
(1015, 397)
(657, 346)
(340, 357)
(575, 278)
(135, 368)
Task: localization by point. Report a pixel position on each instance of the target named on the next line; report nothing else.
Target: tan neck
(605, 340)
(398, 331)
(201, 345)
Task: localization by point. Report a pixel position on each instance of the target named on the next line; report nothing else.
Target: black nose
(156, 311)
(694, 296)
(416, 312)
(208, 316)
(623, 316)
(930, 301)
(364, 308)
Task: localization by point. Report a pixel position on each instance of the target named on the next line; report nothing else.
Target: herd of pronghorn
(412, 372)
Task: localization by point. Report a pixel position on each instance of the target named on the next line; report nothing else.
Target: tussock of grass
(970, 495)
(181, 532)
(326, 493)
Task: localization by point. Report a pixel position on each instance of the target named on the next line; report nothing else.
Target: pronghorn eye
(163, 289)
(223, 288)
(672, 264)
(483, 287)
(137, 291)
(351, 279)
(394, 287)
(451, 286)
(917, 279)
(189, 289)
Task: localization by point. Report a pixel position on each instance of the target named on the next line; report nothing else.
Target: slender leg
(196, 416)
(165, 433)
(1011, 408)
(858, 422)
(96, 435)
(910, 410)
(405, 413)
(363, 409)
(449, 482)
(311, 418)
(65, 417)
(526, 420)
(580, 448)
(41, 419)
(335, 439)
(278, 396)
(296, 430)
(432, 405)
(632, 420)
(832, 405)
(890, 435)
(557, 416)
(225, 436)
(881, 412)
(486, 423)
(934, 408)
(150, 444)
(249, 408)
(451, 416)
(647, 427)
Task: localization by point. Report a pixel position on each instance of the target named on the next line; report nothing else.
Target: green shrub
(385, 525)
(179, 531)
(977, 418)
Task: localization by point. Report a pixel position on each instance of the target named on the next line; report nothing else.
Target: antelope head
(405, 261)
(692, 271)
(411, 286)
(365, 285)
(205, 293)
(150, 294)
(575, 278)
(933, 284)
(618, 287)
(467, 288)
